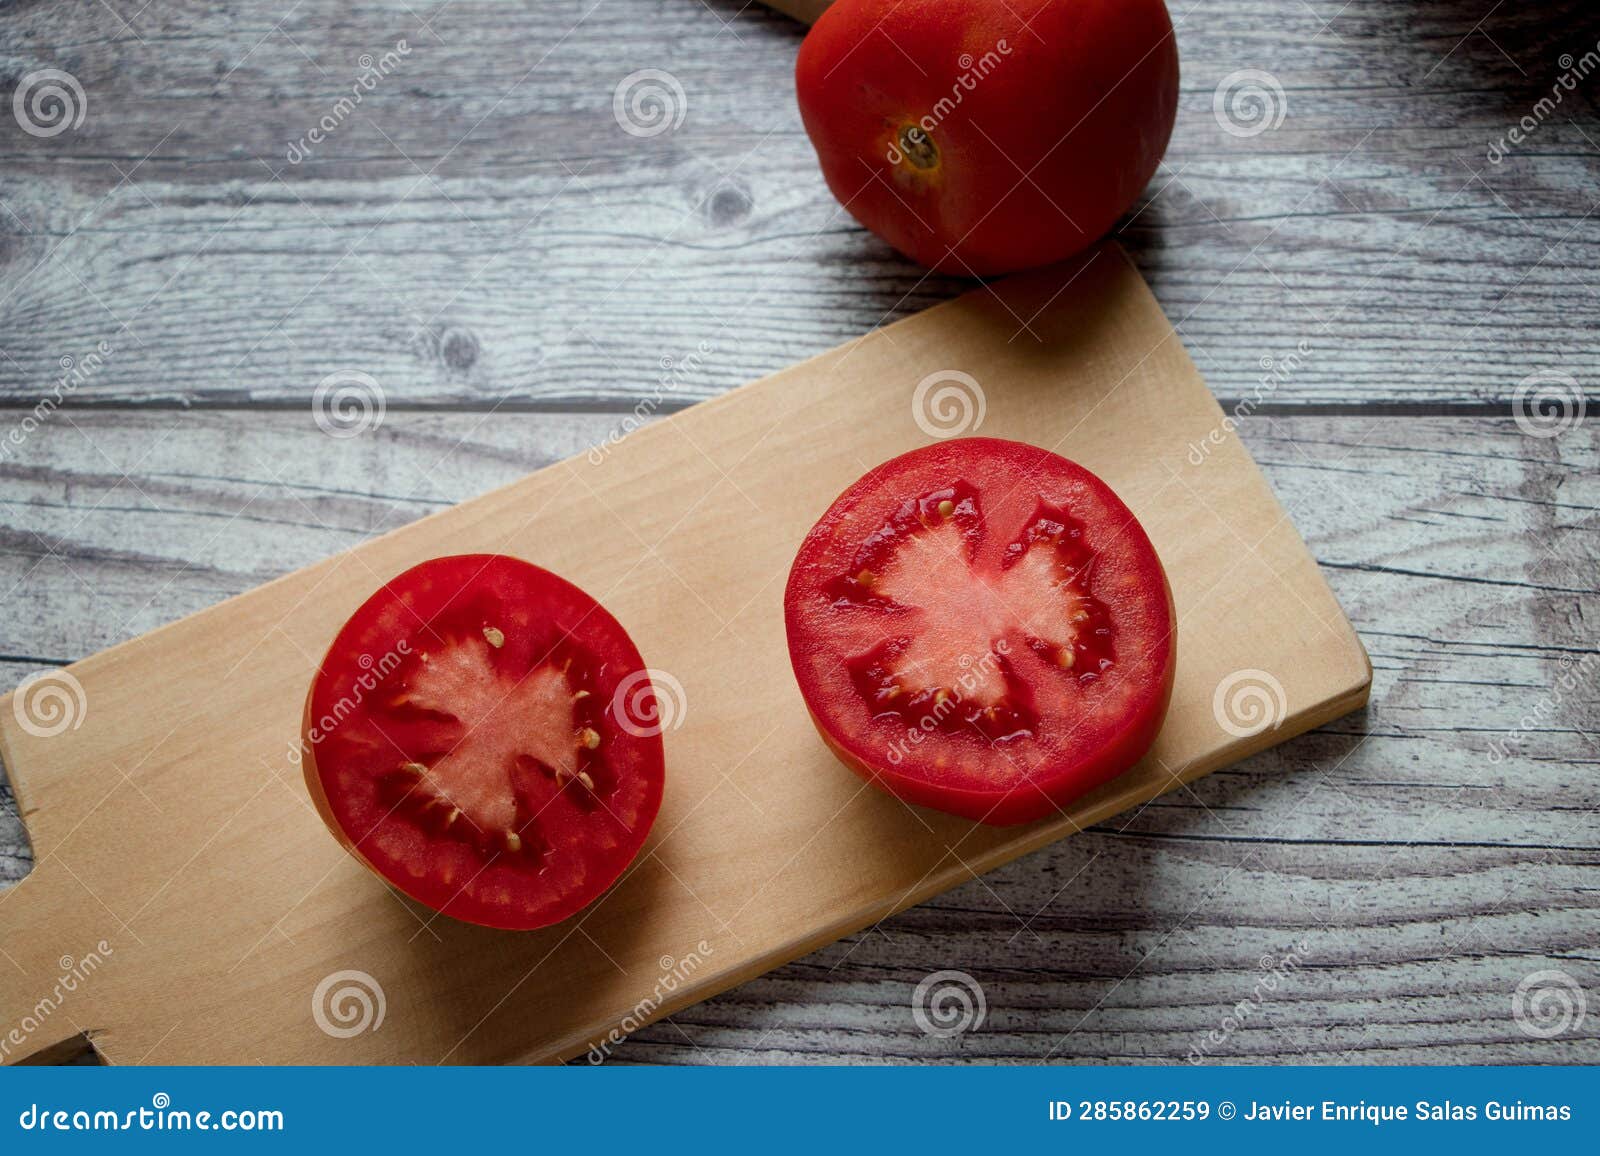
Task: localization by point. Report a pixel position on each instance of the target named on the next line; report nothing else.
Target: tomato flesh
(983, 627)
(460, 740)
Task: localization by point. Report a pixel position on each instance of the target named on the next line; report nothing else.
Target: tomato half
(983, 627)
(479, 736)
(986, 136)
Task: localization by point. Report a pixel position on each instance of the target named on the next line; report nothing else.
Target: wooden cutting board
(204, 915)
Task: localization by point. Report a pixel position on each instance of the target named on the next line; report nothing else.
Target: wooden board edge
(1105, 804)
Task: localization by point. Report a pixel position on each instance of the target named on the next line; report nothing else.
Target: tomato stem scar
(918, 147)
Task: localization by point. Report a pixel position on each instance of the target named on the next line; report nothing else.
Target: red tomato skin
(461, 907)
(319, 794)
(1017, 807)
(1080, 95)
(995, 807)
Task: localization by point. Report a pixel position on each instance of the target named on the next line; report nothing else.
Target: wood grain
(1431, 877)
(481, 230)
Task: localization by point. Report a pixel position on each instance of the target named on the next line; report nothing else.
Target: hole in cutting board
(16, 847)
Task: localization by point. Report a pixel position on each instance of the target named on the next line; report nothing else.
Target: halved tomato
(479, 736)
(983, 627)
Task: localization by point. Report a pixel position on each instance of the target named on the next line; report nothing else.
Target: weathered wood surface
(482, 234)
(480, 229)
(1428, 861)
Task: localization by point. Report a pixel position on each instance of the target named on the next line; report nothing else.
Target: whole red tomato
(984, 136)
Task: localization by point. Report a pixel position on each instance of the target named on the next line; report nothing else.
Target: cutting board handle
(45, 993)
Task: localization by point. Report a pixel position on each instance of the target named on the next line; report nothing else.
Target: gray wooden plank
(481, 230)
(1429, 853)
